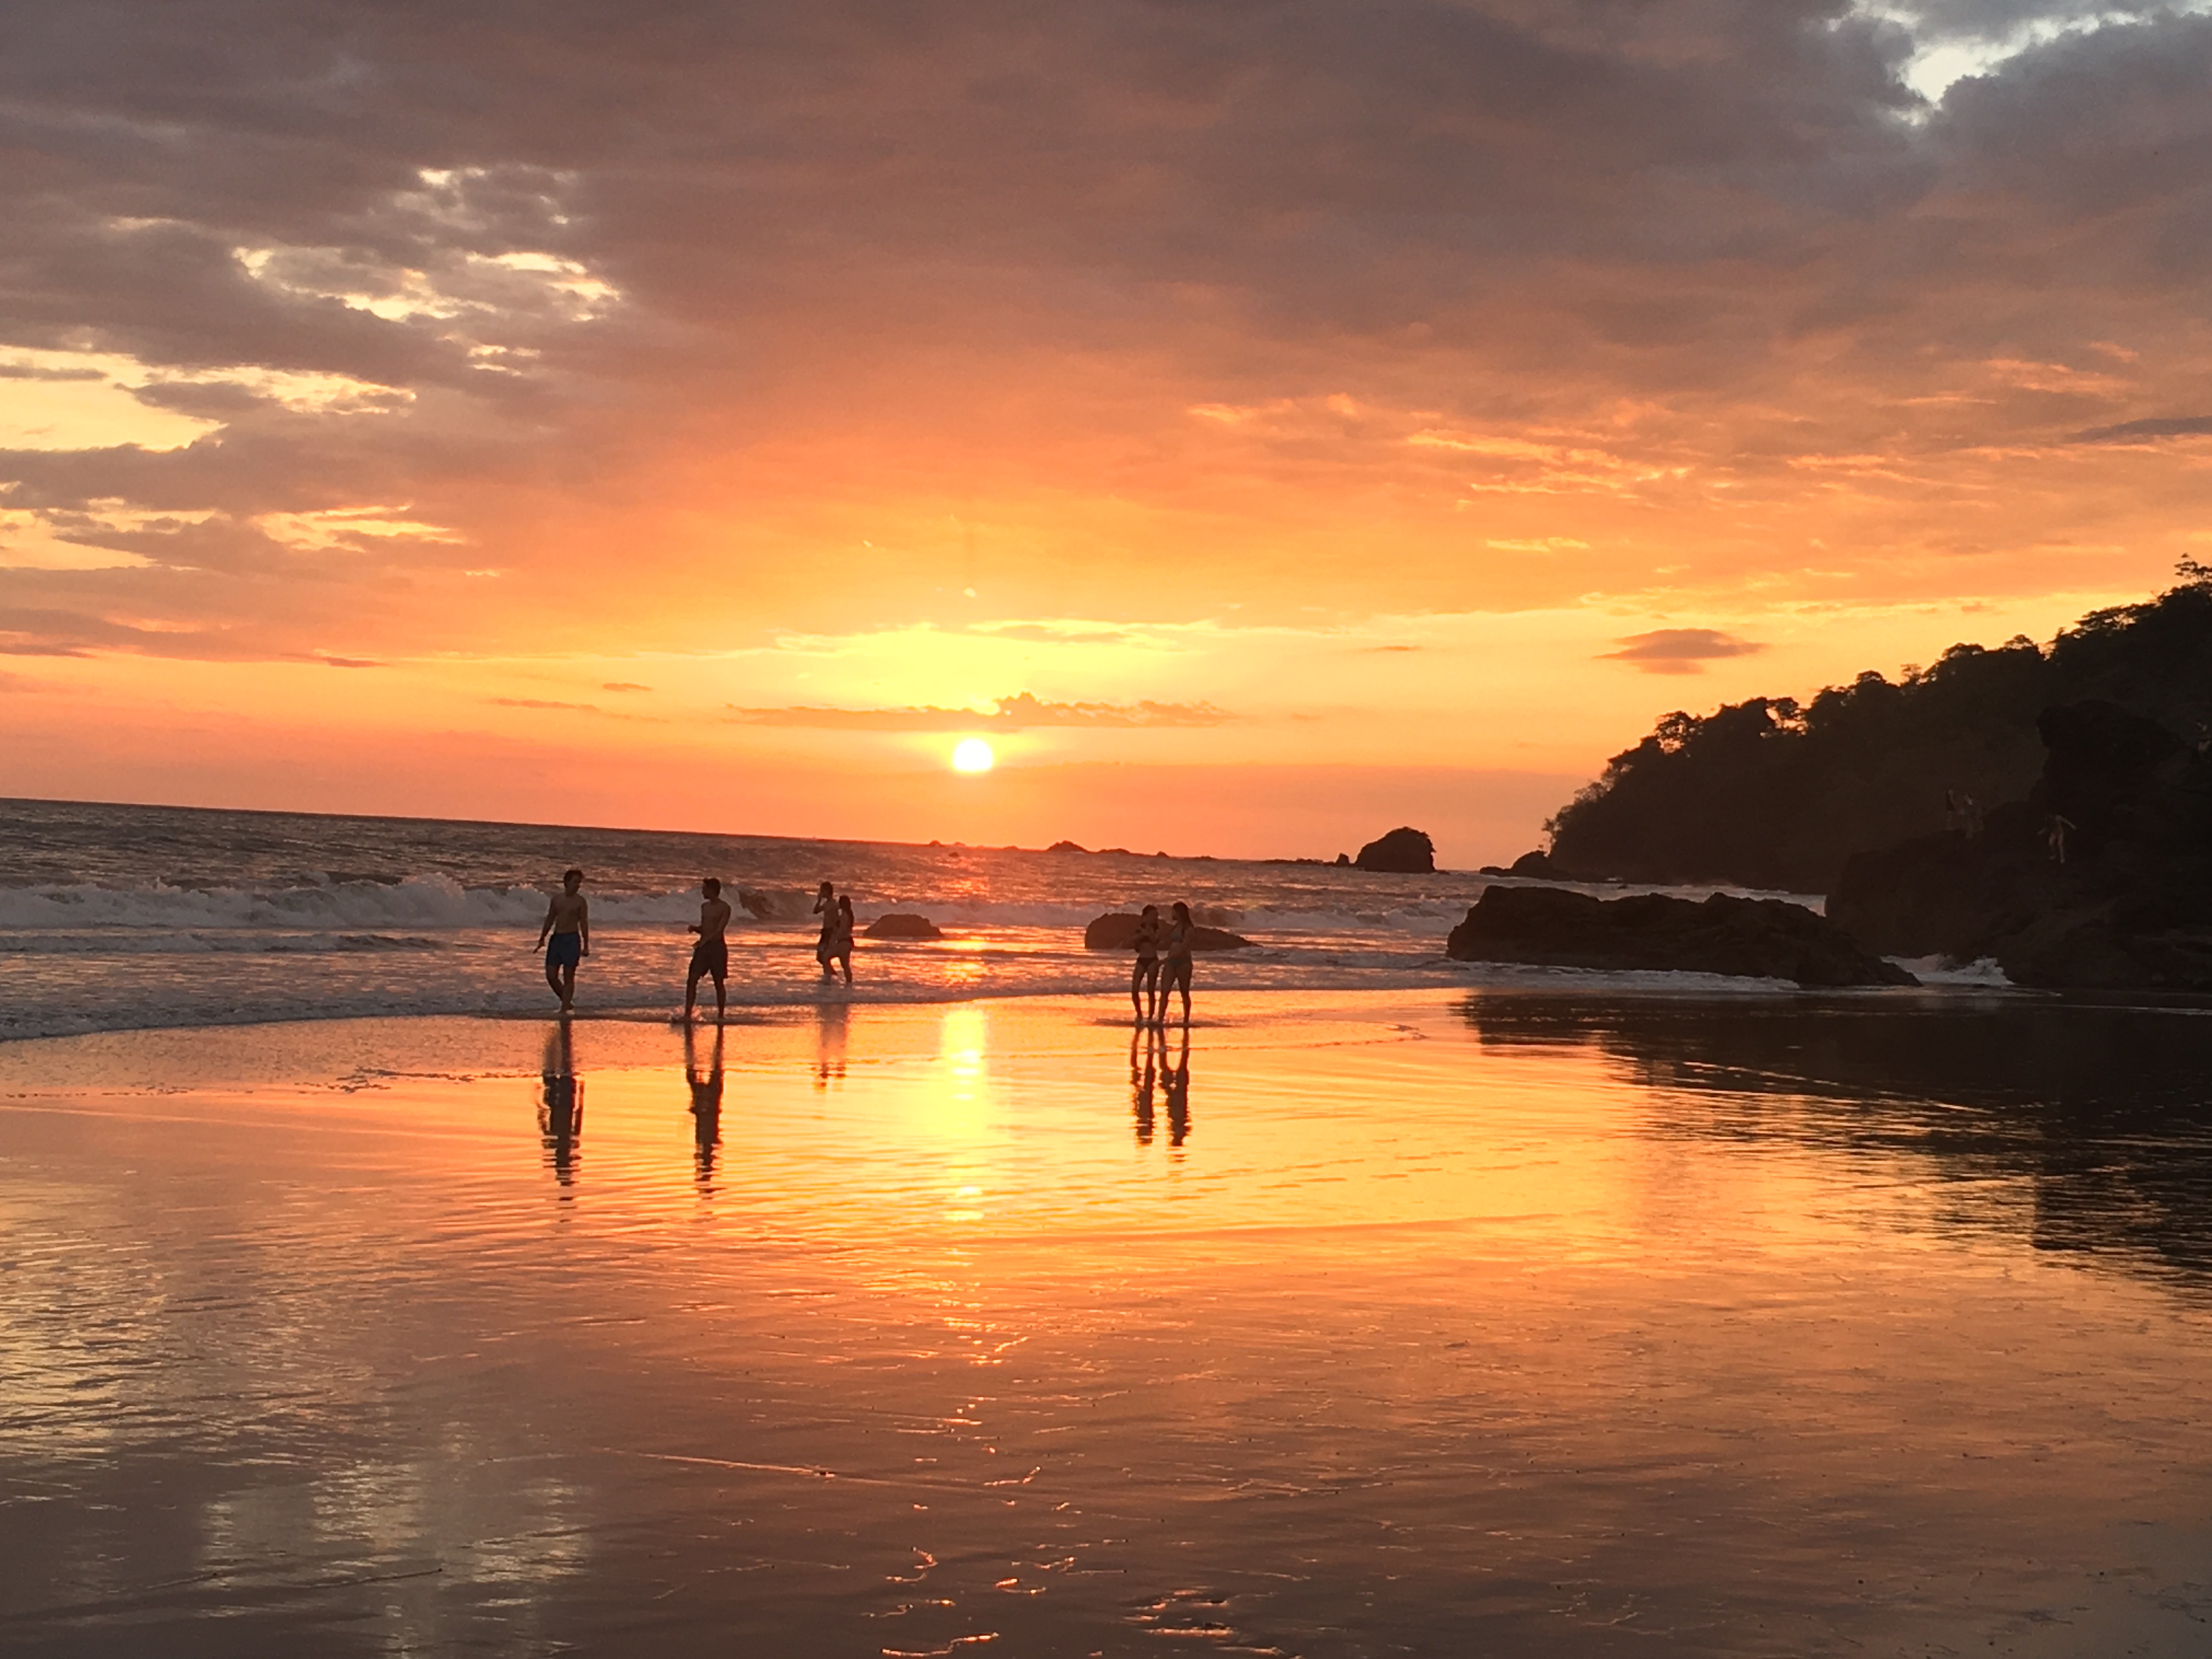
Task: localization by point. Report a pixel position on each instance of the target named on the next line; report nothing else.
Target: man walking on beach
(711, 955)
(568, 925)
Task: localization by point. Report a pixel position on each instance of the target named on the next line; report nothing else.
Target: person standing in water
(1144, 982)
(825, 906)
(840, 938)
(1178, 963)
(565, 936)
(711, 955)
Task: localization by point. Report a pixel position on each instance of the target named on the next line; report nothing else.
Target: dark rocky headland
(2048, 807)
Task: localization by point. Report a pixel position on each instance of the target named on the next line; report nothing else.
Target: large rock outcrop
(2102, 879)
(903, 924)
(1761, 938)
(1117, 930)
(1405, 851)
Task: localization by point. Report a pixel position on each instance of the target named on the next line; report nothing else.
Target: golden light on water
(972, 755)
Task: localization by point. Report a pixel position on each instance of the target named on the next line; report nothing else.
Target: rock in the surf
(902, 924)
(1761, 938)
(1117, 930)
(1405, 851)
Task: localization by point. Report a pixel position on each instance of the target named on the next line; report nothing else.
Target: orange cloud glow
(700, 419)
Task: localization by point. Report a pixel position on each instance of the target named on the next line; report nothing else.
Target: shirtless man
(711, 955)
(568, 925)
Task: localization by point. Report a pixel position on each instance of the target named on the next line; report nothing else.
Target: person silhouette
(706, 1106)
(565, 936)
(560, 1104)
(1145, 980)
(825, 906)
(1177, 975)
(841, 937)
(711, 955)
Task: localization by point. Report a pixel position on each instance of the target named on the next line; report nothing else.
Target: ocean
(122, 917)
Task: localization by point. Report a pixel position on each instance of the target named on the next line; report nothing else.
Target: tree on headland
(1772, 792)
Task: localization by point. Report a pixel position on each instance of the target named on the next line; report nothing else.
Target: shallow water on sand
(1376, 1324)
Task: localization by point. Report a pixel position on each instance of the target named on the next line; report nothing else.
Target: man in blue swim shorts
(711, 955)
(565, 937)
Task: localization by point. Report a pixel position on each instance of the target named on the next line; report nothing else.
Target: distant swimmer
(711, 955)
(840, 938)
(565, 937)
(1144, 982)
(1177, 978)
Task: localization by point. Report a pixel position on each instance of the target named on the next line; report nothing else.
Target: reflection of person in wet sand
(560, 1104)
(711, 955)
(706, 1098)
(1141, 1082)
(1144, 982)
(829, 1044)
(1177, 976)
(565, 936)
(1174, 1081)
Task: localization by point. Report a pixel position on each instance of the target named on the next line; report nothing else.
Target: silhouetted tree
(1769, 792)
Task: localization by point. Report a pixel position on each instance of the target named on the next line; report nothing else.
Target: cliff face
(2101, 880)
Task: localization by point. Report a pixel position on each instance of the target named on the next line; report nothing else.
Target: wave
(430, 900)
(369, 910)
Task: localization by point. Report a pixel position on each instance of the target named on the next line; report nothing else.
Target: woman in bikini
(1144, 983)
(840, 938)
(1178, 963)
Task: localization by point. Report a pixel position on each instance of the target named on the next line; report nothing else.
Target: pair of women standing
(1162, 943)
(836, 945)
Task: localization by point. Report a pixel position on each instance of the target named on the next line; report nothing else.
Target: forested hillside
(1771, 792)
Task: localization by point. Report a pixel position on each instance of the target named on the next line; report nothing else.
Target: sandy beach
(1595, 1323)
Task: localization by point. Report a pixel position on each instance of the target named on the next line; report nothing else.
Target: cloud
(541, 702)
(624, 685)
(671, 309)
(1010, 715)
(1679, 650)
(2182, 426)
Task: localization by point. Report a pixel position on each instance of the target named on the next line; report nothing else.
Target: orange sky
(1292, 420)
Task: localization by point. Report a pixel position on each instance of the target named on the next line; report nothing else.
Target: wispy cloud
(2176, 426)
(1010, 714)
(1679, 650)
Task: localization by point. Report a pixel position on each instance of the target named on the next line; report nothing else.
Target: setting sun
(972, 755)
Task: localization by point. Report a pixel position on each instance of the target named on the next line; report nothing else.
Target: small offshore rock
(1404, 852)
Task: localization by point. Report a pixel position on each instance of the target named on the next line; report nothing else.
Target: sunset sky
(1265, 423)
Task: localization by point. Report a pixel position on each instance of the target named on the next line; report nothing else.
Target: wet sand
(1395, 1324)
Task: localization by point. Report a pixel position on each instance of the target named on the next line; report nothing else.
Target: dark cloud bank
(549, 239)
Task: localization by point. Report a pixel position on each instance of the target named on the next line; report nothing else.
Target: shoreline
(1504, 978)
